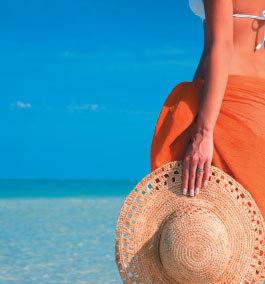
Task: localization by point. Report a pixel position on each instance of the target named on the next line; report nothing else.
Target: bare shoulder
(219, 20)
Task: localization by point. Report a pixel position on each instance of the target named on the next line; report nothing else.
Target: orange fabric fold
(239, 133)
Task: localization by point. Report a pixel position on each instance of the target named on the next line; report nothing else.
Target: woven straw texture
(165, 237)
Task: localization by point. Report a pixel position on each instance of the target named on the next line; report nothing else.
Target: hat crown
(194, 244)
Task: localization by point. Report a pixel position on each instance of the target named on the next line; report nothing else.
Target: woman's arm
(219, 20)
(200, 68)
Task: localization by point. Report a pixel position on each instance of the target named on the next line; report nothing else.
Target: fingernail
(191, 192)
(197, 190)
(184, 191)
(205, 182)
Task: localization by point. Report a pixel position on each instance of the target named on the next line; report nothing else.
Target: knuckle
(209, 160)
(186, 159)
(202, 159)
(194, 159)
(192, 175)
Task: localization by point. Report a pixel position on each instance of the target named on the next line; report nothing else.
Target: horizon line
(65, 179)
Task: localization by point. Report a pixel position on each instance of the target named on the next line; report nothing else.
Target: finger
(185, 174)
(206, 176)
(199, 176)
(192, 175)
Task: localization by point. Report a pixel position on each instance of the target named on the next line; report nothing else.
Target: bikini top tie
(254, 17)
(197, 8)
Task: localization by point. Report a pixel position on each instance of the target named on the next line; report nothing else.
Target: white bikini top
(197, 8)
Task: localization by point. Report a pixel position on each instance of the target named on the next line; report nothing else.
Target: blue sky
(83, 83)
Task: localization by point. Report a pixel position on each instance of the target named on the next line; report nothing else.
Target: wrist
(203, 126)
(203, 131)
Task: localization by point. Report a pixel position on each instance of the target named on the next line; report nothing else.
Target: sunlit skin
(229, 48)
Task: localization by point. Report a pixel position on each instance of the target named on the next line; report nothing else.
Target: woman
(219, 117)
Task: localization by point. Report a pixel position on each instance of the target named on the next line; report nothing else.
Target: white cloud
(20, 104)
(79, 107)
(92, 107)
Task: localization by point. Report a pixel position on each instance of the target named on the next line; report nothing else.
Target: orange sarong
(239, 133)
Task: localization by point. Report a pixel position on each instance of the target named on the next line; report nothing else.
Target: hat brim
(158, 195)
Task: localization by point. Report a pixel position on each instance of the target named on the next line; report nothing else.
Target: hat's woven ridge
(158, 197)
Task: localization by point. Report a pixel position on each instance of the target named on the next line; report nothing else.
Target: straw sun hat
(163, 236)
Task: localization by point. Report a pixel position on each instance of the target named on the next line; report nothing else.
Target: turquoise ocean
(59, 231)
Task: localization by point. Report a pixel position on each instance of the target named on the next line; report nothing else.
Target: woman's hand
(198, 154)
